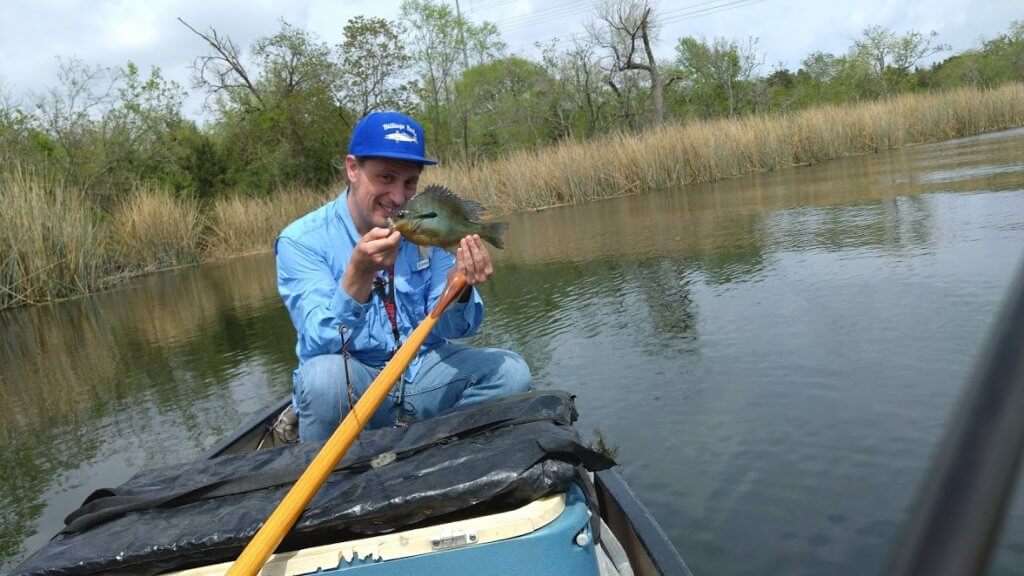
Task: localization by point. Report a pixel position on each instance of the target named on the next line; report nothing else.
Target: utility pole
(462, 103)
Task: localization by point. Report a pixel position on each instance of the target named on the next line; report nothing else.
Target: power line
(575, 7)
(680, 14)
(713, 10)
(685, 8)
(674, 15)
(547, 14)
(474, 7)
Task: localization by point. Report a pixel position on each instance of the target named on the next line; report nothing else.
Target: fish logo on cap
(401, 137)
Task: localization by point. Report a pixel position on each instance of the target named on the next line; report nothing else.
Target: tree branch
(224, 66)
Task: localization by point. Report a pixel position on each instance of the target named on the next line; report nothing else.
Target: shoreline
(71, 253)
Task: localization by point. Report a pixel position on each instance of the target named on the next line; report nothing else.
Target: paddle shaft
(266, 540)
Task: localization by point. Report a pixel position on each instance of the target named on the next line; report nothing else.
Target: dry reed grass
(704, 151)
(240, 225)
(50, 244)
(153, 230)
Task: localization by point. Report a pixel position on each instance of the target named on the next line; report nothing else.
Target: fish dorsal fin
(468, 209)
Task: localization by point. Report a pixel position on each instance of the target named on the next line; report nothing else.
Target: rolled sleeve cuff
(467, 312)
(350, 313)
(459, 308)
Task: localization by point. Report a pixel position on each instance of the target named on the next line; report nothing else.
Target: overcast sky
(111, 32)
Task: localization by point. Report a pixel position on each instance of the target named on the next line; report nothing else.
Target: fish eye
(401, 214)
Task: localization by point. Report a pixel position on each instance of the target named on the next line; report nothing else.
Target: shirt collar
(346, 217)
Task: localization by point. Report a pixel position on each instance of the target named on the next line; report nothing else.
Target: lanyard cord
(405, 411)
(349, 389)
(388, 296)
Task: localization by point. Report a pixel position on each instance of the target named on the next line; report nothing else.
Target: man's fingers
(382, 243)
(382, 235)
(473, 260)
(379, 233)
(465, 262)
(377, 249)
(481, 259)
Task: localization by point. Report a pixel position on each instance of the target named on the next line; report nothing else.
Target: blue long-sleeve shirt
(312, 254)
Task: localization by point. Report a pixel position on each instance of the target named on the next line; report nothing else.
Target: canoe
(565, 511)
(633, 535)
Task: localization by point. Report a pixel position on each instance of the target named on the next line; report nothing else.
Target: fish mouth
(387, 211)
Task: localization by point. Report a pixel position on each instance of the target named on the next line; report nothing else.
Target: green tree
(17, 133)
(441, 44)
(201, 160)
(374, 67)
(827, 78)
(998, 61)
(510, 102)
(137, 131)
(280, 123)
(890, 55)
(718, 79)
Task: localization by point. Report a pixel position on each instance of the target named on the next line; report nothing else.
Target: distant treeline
(102, 177)
(282, 109)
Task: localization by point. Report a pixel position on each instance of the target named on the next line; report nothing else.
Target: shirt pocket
(412, 292)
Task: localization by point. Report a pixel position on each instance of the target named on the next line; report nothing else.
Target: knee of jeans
(515, 373)
(317, 380)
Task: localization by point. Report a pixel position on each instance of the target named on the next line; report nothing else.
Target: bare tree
(578, 80)
(222, 72)
(69, 112)
(627, 29)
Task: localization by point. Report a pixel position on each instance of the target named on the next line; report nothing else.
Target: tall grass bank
(54, 244)
(696, 152)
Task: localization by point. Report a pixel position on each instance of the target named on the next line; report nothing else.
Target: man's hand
(473, 260)
(375, 251)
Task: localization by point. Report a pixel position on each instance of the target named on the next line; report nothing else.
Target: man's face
(378, 188)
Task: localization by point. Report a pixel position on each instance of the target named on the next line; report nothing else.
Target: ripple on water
(776, 356)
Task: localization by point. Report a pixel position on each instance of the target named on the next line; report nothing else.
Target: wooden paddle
(288, 511)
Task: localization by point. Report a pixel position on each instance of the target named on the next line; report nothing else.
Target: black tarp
(472, 460)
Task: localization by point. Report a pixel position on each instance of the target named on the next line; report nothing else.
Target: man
(355, 291)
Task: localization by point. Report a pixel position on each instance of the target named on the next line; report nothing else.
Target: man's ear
(351, 167)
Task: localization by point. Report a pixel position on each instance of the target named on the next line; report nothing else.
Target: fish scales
(436, 216)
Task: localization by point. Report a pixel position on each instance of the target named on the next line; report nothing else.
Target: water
(775, 356)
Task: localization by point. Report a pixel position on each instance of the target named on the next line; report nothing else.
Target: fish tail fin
(492, 232)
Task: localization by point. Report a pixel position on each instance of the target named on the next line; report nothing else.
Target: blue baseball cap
(389, 135)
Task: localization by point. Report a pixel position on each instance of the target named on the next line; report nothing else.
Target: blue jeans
(450, 375)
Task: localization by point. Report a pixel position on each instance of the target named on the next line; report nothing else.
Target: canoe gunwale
(257, 424)
(620, 508)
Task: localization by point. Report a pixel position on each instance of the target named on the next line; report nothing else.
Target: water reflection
(134, 378)
(774, 355)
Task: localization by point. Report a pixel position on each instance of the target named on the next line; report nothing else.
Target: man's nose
(396, 194)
